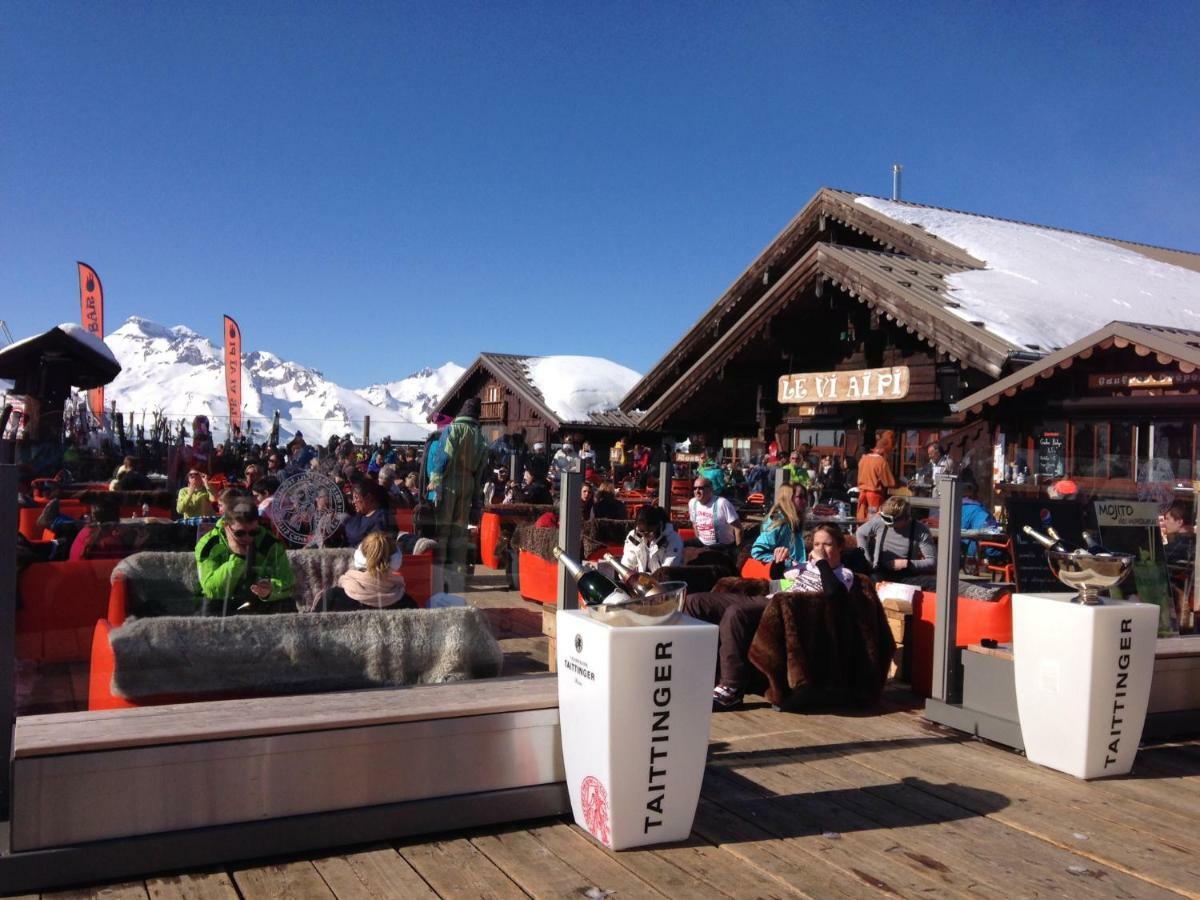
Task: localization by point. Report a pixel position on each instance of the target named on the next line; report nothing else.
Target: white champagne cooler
(634, 706)
(1083, 681)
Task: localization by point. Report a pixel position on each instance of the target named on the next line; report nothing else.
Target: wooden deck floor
(797, 805)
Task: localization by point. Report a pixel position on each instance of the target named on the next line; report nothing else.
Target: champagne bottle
(1091, 542)
(596, 589)
(638, 582)
(1050, 543)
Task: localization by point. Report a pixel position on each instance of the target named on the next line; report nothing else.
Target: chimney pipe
(896, 170)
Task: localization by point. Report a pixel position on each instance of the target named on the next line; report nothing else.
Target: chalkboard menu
(1051, 455)
(1064, 516)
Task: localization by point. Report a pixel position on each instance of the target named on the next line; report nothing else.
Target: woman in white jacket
(653, 543)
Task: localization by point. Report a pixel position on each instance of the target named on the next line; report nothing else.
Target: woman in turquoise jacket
(781, 541)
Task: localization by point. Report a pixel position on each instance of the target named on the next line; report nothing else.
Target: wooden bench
(107, 775)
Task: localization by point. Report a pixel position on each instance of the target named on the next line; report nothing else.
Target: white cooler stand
(1083, 681)
(634, 706)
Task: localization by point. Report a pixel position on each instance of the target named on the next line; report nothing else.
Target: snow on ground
(574, 387)
(1045, 288)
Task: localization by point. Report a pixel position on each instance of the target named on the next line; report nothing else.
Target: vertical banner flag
(91, 312)
(233, 373)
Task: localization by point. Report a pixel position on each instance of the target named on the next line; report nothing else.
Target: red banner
(91, 313)
(233, 373)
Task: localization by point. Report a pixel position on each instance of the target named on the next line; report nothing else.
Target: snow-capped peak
(180, 373)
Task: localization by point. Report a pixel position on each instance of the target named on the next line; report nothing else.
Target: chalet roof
(88, 361)
(514, 371)
(933, 305)
(1169, 345)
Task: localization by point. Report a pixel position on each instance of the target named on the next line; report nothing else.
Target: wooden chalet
(513, 408)
(844, 326)
(1117, 412)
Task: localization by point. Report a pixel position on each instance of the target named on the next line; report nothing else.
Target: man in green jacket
(244, 568)
(458, 483)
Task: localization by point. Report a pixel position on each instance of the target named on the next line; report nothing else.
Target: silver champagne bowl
(1089, 574)
(656, 609)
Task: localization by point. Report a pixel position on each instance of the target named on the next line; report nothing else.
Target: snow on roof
(574, 387)
(1045, 289)
(89, 340)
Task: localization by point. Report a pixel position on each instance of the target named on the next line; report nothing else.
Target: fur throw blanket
(301, 653)
(167, 584)
(816, 652)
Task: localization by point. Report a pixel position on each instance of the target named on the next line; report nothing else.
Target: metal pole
(780, 479)
(665, 470)
(1195, 553)
(946, 686)
(366, 431)
(8, 627)
(570, 524)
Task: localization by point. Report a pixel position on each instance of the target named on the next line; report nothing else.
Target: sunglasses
(701, 488)
(887, 520)
(245, 532)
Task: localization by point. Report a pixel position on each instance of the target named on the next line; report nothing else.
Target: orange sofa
(418, 577)
(60, 605)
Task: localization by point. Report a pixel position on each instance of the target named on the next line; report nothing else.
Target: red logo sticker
(594, 800)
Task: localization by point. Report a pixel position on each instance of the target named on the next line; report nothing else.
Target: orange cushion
(977, 619)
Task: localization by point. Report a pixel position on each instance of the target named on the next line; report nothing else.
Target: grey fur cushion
(167, 584)
(301, 653)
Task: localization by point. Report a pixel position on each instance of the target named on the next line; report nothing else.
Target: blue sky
(372, 188)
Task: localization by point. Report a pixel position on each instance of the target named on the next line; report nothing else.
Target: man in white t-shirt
(714, 519)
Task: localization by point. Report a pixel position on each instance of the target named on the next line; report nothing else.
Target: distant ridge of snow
(1045, 288)
(176, 370)
(574, 387)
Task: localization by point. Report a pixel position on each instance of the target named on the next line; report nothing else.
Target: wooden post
(8, 625)
(664, 486)
(366, 431)
(570, 524)
(946, 686)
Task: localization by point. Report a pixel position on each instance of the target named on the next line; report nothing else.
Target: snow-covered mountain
(414, 396)
(181, 373)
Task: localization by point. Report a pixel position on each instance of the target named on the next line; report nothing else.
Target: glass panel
(105, 623)
(1083, 441)
(1172, 451)
(1120, 455)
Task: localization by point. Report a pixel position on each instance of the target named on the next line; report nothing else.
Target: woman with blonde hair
(372, 582)
(781, 541)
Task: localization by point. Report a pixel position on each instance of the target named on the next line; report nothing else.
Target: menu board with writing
(1051, 455)
(1064, 516)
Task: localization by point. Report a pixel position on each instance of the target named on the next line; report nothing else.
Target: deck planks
(379, 874)
(455, 868)
(192, 886)
(817, 805)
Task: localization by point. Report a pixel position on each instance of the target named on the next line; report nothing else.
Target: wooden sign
(681, 457)
(844, 387)
(1120, 381)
